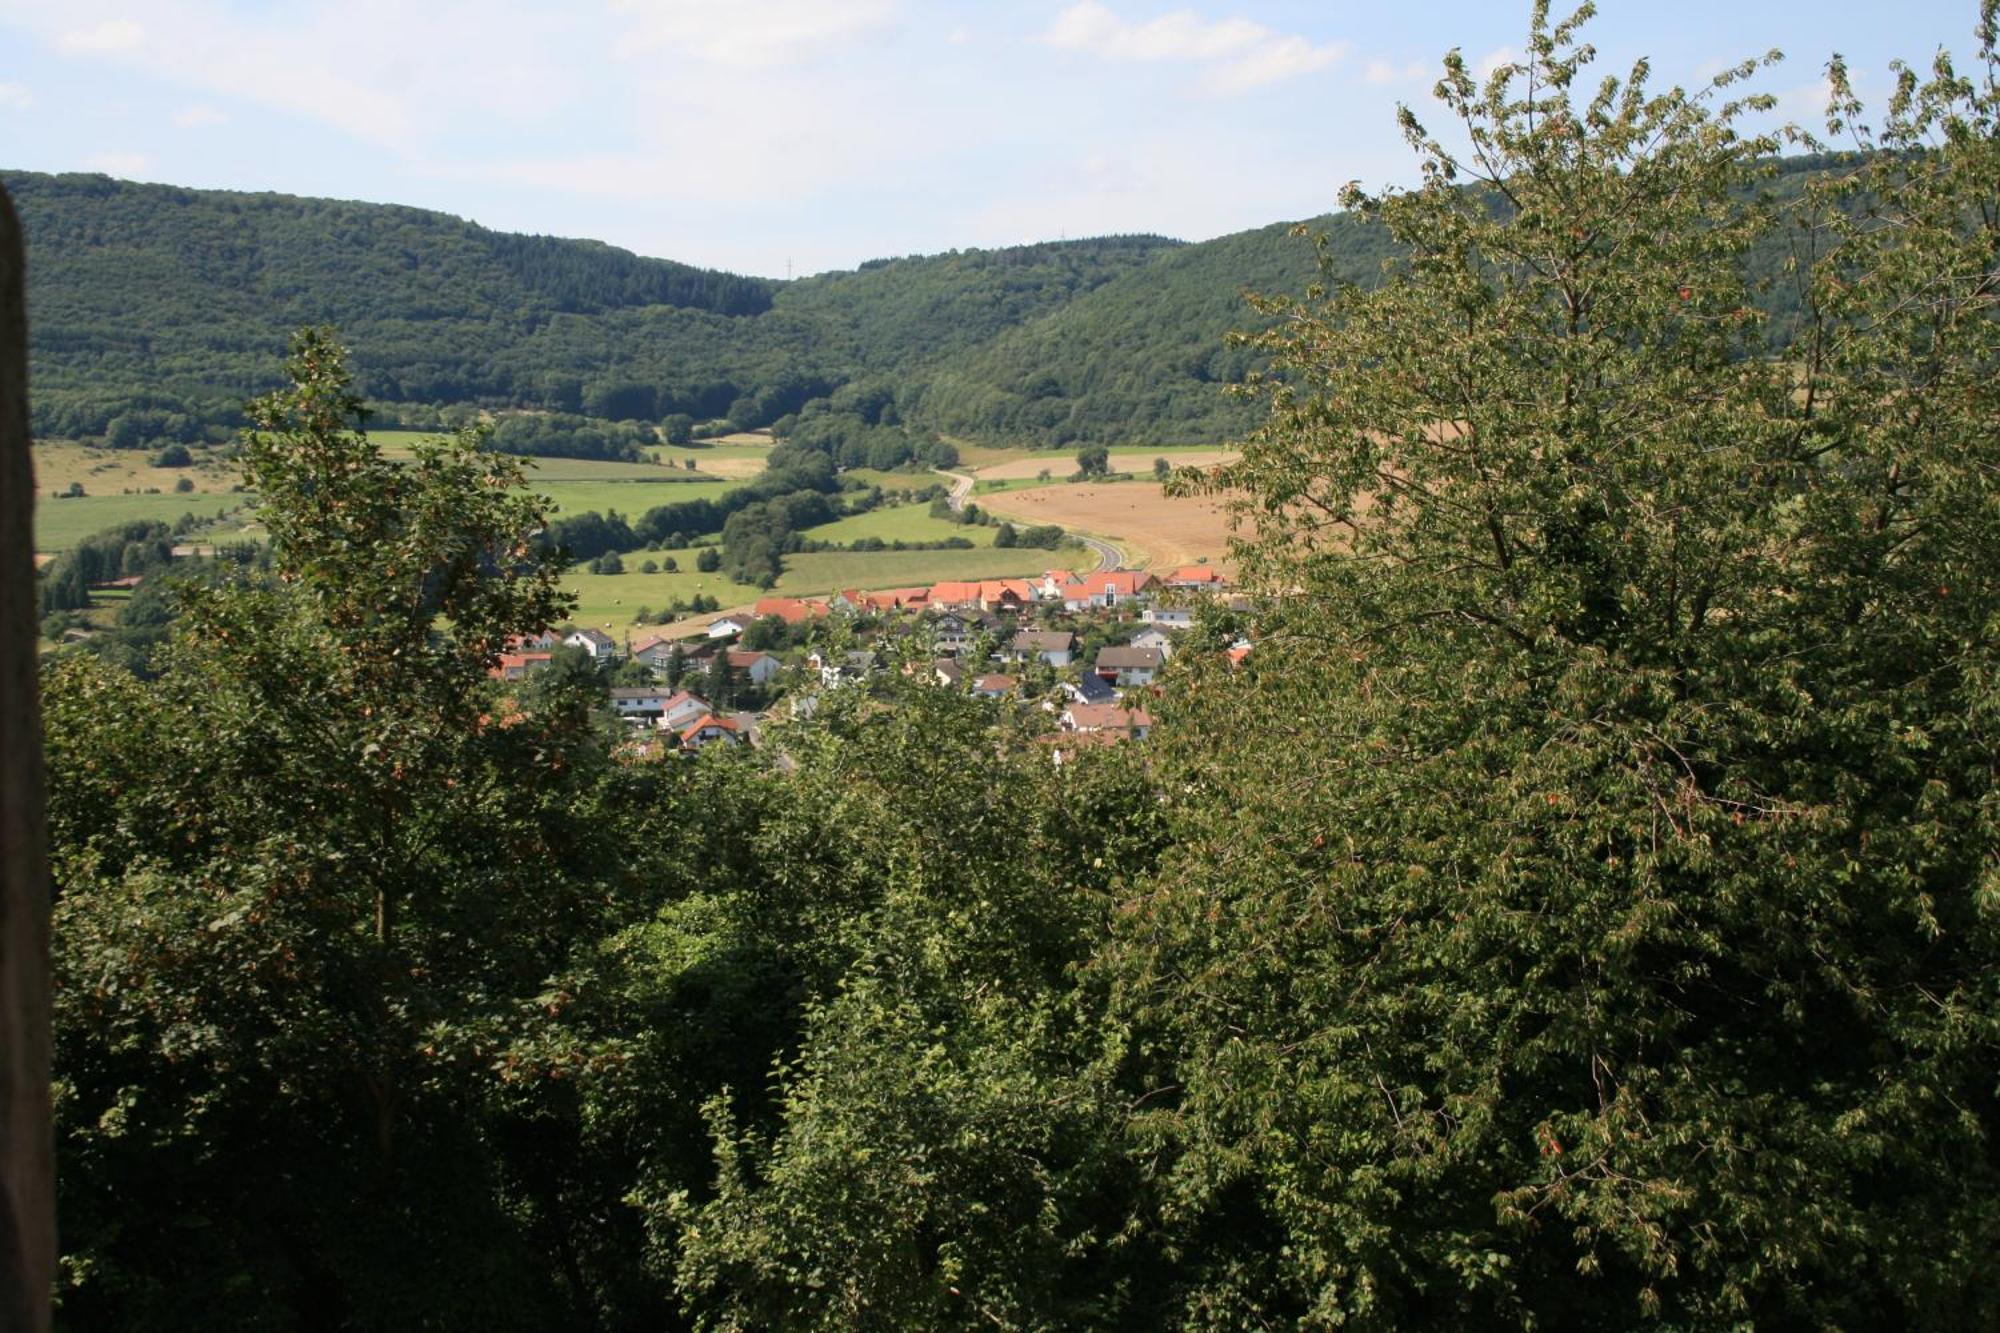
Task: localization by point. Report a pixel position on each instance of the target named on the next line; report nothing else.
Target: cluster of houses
(1093, 706)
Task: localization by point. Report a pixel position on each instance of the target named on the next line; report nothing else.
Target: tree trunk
(27, 1151)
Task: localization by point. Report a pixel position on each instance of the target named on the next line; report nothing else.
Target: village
(1087, 649)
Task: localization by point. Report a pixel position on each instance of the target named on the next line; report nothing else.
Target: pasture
(610, 601)
(829, 571)
(630, 498)
(892, 523)
(1154, 530)
(61, 524)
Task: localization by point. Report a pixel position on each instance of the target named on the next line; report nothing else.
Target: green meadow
(892, 523)
(61, 524)
(610, 601)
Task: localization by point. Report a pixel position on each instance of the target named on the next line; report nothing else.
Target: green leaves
(1600, 798)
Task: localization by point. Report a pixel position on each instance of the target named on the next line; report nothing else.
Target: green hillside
(157, 310)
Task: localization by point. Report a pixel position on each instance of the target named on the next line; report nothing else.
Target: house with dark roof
(1090, 688)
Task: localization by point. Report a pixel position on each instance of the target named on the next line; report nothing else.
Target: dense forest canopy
(1579, 909)
(156, 310)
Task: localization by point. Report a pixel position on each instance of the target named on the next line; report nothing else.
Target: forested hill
(157, 310)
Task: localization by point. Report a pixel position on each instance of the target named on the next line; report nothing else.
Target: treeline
(757, 521)
(129, 549)
(151, 298)
(161, 307)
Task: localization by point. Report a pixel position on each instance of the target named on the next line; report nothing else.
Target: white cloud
(198, 117)
(959, 36)
(1274, 62)
(110, 36)
(1238, 54)
(14, 97)
(1382, 73)
(746, 34)
(385, 72)
(118, 164)
(1483, 68)
(1805, 106)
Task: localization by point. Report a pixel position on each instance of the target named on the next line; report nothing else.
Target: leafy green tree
(943, 1148)
(1606, 935)
(708, 559)
(718, 683)
(311, 876)
(1093, 460)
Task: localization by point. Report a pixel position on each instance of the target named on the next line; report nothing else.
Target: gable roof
(791, 610)
(1093, 689)
(1043, 641)
(1106, 717)
(679, 697)
(694, 729)
(1122, 582)
(1124, 658)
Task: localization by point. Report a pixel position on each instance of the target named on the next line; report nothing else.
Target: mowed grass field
(1154, 530)
(906, 523)
(610, 601)
(61, 524)
(630, 498)
(667, 463)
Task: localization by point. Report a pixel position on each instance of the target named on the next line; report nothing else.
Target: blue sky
(758, 135)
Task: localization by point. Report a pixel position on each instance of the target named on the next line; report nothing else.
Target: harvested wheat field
(1153, 530)
(1061, 465)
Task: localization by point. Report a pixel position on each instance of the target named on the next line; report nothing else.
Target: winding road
(1108, 556)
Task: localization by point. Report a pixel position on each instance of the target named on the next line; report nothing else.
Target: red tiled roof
(517, 662)
(791, 610)
(1124, 582)
(1107, 717)
(722, 723)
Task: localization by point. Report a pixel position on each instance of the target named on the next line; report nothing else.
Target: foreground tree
(308, 879)
(1612, 939)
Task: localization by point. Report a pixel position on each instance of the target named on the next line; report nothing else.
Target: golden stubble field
(1154, 530)
(1061, 465)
